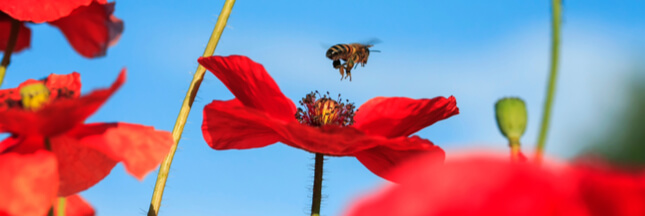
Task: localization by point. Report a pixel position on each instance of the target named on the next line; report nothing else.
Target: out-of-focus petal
(400, 116)
(75, 205)
(64, 86)
(28, 184)
(474, 186)
(140, 148)
(24, 34)
(41, 10)
(9, 98)
(91, 29)
(58, 116)
(80, 166)
(239, 128)
(24, 144)
(611, 191)
(8, 143)
(381, 160)
(251, 85)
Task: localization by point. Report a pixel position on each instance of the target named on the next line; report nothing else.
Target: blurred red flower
(488, 185)
(88, 25)
(51, 151)
(261, 115)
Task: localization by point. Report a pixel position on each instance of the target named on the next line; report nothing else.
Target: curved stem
(11, 44)
(185, 108)
(316, 198)
(556, 19)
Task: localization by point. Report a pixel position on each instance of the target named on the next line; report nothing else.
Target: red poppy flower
(261, 115)
(51, 151)
(88, 25)
(486, 185)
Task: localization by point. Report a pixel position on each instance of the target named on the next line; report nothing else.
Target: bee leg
(342, 72)
(350, 76)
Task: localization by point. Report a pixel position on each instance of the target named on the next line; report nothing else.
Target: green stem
(556, 20)
(515, 149)
(51, 211)
(316, 199)
(185, 108)
(61, 206)
(11, 44)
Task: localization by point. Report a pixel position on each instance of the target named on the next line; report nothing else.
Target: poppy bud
(511, 118)
(34, 96)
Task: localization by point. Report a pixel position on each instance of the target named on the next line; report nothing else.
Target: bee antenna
(375, 51)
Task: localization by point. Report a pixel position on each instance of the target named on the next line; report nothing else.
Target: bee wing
(325, 46)
(373, 41)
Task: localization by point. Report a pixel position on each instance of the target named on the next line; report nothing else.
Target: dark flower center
(318, 111)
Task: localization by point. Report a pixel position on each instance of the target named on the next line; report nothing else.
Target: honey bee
(353, 54)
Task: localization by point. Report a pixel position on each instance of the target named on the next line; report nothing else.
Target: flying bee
(352, 55)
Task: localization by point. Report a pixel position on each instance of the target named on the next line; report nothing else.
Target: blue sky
(478, 51)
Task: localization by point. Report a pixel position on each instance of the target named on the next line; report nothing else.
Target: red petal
(381, 160)
(236, 132)
(251, 85)
(24, 144)
(75, 205)
(476, 186)
(58, 116)
(91, 29)
(80, 166)
(24, 34)
(609, 191)
(8, 143)
(28, 184)
(9, 98)
(399, 116)
(40, 10)
(140, 148)
(228, 125)
(67, 85)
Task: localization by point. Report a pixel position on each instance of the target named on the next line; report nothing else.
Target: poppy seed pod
(511, 117)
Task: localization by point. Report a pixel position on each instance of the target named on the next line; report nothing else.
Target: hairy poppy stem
(185, 108)
(556, 20)
(316, 198)
(11, 44)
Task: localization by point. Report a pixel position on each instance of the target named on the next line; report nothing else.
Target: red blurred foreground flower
(88, 25)
(261, 115)
(51, 151)
(487, 185)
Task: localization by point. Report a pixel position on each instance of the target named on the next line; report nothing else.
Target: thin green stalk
(556, 20)
(316, 198)
(185, 108)
(11, 44)
(515, 149)
(61, 206)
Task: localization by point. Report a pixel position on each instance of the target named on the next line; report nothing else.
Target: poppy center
(317, 111)
(34, 96)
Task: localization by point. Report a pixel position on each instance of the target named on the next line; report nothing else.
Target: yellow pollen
(34, 96)
(328, 109)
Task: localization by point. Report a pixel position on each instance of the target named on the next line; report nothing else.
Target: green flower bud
(511, 118)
